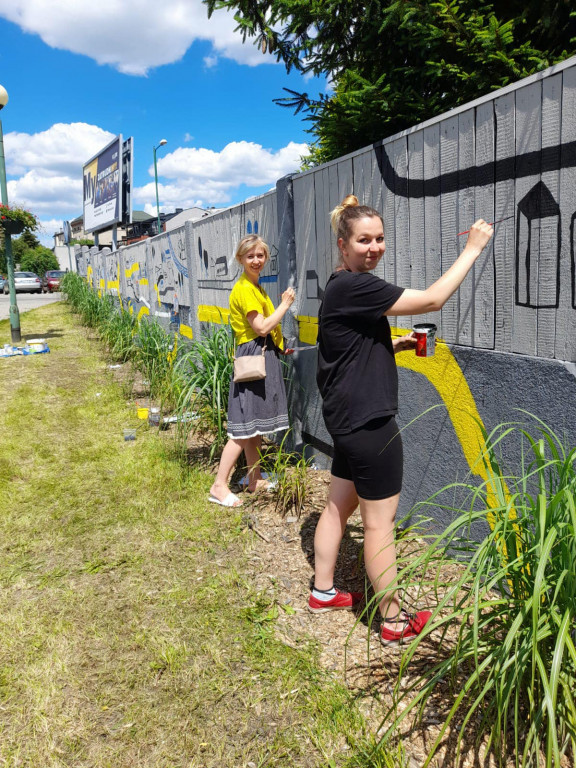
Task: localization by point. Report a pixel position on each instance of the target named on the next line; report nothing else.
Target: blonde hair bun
(350, 201)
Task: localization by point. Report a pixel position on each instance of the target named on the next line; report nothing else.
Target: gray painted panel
(566, 323)
(466, 216)
(483, 276)
(504, 235)
(416, 220)
(432, 216)
(449, 222)
(528, 139)
(548, 278)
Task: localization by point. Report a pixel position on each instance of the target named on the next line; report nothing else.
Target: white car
(25, 282)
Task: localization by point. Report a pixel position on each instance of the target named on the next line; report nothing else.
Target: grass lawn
(130, 632)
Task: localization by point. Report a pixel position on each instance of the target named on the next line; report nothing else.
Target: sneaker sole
(331, 608)
(399, 641)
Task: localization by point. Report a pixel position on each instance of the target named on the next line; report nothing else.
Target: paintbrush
(491, 224)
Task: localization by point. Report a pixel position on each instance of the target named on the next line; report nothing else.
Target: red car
(52, 279)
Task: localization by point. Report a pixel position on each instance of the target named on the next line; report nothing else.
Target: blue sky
(79, 72)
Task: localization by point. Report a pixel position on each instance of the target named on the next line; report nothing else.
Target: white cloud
(62, 149)
(212, 174)
(205, 177)
(47, 167)
(132, 35)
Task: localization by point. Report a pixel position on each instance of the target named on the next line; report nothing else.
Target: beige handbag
(250, 367)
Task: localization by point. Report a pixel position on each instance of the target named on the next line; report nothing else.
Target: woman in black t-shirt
(358, 382)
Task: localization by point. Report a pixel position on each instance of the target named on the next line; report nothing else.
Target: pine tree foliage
(394, 63)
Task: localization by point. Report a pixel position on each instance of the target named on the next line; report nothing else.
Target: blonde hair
(349, 210)
(248, 243)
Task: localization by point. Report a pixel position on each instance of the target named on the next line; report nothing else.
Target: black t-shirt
(357, 374)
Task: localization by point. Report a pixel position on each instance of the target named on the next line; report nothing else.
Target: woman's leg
(252, 448)
(342, 501)
(378, 518)
(228, 459)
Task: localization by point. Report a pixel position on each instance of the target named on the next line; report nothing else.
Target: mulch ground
(281, 565)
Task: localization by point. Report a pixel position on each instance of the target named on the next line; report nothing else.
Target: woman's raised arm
(264, 325)
(433, 298)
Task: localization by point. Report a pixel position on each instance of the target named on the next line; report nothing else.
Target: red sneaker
(342, 601)
(414, 623)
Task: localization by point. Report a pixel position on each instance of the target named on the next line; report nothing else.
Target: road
(26, 301)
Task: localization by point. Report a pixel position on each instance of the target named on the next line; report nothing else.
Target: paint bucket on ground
(425, 339)
(154, 417)
(142, 413)
(37, 345)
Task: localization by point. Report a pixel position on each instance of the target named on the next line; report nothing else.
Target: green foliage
(81, 241)
(206, 371)
(153, 354)
(39, 260)
(118, 334)
(394, 63)
(26, 242)
(18, 215)
(290, 472)
(512, 668)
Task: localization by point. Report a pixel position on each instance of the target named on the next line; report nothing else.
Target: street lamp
(161, 144)
(14, 314)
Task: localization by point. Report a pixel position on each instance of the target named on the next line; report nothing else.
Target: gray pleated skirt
(258, 407)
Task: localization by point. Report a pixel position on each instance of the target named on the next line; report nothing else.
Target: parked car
(25, 282)
(3, 282)
(51, 280)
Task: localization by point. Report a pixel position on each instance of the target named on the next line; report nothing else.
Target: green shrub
(290, 472)
(512, 667)
(205, 371)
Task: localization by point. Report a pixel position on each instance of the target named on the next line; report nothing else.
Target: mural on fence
(509, 158)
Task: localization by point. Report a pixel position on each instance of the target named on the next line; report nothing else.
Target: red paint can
(425, 339)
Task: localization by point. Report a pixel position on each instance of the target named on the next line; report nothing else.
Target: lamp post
(161, 144)
(14, 314)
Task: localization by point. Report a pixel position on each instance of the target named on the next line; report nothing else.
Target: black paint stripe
(529, 164)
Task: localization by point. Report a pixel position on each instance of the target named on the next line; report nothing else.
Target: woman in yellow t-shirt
(255, 408)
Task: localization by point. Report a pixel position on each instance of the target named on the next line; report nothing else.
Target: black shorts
(372, 458)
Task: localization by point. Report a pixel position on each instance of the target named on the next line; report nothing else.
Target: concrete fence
(508, 335)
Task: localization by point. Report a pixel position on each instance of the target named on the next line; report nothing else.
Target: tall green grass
(511, 668)
(150, 348)
(205, 371)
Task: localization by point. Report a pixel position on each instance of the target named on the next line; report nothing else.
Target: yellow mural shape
(441, 370)
(186, 331)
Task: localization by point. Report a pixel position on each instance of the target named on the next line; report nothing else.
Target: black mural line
(221, 270)
(538, 204)
(516, 167)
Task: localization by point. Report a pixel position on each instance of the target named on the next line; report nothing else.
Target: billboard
(103, 188)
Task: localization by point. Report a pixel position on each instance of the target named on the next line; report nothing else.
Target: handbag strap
(263, 348)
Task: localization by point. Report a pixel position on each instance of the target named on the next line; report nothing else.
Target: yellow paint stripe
(209, 313)
(307, 329)
(143, 281)
(446, 376)
(185, 330)
(130, 271)
(143, 311)
(157, 294)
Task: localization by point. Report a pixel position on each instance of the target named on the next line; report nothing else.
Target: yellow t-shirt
(246, 297)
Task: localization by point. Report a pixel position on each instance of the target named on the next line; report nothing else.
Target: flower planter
(12, 227)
